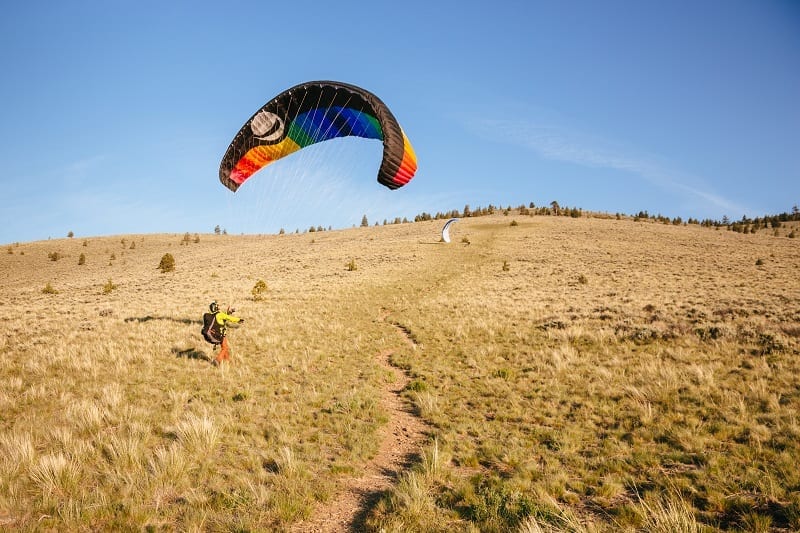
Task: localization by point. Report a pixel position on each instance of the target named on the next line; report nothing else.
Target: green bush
(259, 290)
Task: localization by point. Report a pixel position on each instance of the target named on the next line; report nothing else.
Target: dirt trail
(401, 439)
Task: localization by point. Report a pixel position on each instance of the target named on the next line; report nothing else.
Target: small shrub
(465, 240)
(108, 287)
(85, 243)
(259, 290)
(167, 263)
(769, 344)
(759, 262)
(514, 223)
(54, 256)
(133, 245)
(582, 280)
(506, 266)
(10, 251)
(82, 259)
(351, 266)
(70, 235)
(48, 289)
(792, 234)
(113, 256)
(710, 332)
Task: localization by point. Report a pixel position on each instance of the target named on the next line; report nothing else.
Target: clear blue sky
(115, 115)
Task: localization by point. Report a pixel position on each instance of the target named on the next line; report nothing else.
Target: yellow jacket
(223, 319)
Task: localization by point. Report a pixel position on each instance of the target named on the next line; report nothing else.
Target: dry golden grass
(577, 375)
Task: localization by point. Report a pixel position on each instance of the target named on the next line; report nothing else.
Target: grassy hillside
(575, 374)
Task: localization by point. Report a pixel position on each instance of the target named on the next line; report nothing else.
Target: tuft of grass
(108, 287)
(56, 476)
(18, 452)
(48, 289)
(668, 515)
(351, 265)
(198, 434)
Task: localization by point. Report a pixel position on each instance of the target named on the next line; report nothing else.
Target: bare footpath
(401, 439)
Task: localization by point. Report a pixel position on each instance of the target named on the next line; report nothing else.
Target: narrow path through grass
(401, 439)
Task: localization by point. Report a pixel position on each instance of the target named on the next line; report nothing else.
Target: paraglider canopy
(446, 230)
(314, 112)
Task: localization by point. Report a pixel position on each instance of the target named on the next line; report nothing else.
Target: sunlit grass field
(575, 374)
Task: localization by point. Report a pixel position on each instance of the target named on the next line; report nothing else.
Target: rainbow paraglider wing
(314, 112)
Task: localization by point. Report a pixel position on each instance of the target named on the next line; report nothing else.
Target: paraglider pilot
(215, 327)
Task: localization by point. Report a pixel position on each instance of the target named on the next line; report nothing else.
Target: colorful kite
(310, 113)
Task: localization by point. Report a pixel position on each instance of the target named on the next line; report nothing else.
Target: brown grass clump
(660, 395)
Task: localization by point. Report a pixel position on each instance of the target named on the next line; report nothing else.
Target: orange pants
(224, 354)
